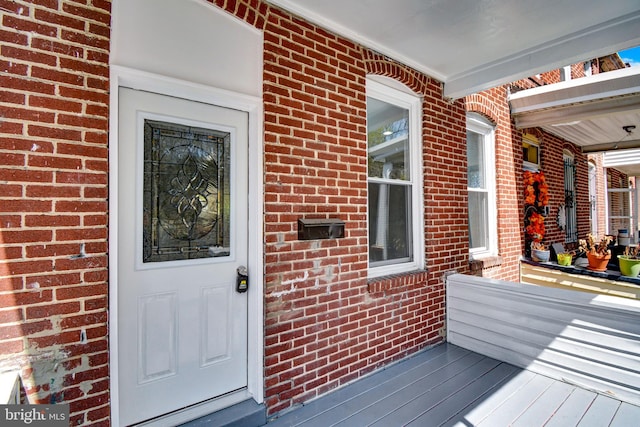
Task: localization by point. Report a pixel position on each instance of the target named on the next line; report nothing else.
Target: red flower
(529, 195)
(535, 229)
(536, 190)
(529, 178)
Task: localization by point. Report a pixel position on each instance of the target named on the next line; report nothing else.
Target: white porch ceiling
(600, 113)
(472, 45)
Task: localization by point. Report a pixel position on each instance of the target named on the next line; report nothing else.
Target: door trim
(141, 80)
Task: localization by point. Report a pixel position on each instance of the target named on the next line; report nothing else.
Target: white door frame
(141, 80)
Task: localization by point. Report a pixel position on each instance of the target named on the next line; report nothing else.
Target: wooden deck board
(406, 406)
(600, 413)
(389, 400)
(572, 409)
(451, 386)
(627, 415)
(355, 397)
(542, 409)
(517, 404)
(451, 405)
(486, 403)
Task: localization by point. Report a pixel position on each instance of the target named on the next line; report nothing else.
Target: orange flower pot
(598, 262)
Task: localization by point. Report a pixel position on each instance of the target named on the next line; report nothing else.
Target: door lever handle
(242, 281)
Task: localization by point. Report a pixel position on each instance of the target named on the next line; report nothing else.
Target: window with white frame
(481, 186)
(530, 153)
(394, 179)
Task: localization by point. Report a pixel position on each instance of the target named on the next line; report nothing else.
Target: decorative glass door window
(186, 200)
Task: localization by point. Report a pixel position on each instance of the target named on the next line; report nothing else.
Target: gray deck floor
(450, 386)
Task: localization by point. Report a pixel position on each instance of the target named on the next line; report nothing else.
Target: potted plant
(598, 252)
(539, 251)
(565, 258)
(630, 262)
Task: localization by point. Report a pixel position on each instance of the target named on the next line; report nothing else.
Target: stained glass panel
(186, 192)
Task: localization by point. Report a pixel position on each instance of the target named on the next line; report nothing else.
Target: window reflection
(390, 239)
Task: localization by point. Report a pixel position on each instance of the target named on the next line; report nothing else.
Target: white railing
(585, 339)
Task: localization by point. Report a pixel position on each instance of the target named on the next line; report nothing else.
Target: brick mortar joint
(60, 11)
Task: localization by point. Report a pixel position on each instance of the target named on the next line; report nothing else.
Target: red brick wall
(326, 324)
(493, 105)
(552, 149)
(508, 163)
(53, 201)
(552, 164)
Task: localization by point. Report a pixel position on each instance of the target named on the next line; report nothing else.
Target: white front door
(182, 234)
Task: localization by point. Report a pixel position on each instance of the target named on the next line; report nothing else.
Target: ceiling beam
(569, 114)
(625, 81)
(592, 42)
(609, 146)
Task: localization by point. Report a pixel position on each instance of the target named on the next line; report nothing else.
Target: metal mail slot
(324, 228)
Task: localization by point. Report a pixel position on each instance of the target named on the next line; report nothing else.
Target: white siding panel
(582, 338)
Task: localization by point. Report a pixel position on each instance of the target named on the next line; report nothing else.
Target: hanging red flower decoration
(536, 197)
(535, 229)
(536, 190)
(543, 193)
(529, 195)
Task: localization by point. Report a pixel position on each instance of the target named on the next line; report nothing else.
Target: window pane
(475, 160)
(619, 210)
(388, 140)
(478, 219)
(530, 153)
(389, 222)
